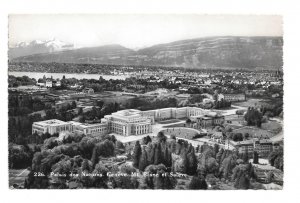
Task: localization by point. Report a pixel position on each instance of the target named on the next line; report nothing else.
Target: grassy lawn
(120, 99)
(254, 131)
(252, 102)
(272, 126)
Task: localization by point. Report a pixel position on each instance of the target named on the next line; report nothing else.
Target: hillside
(38, 47)
(211, 52)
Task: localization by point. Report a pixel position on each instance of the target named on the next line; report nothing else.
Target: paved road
(279, 136)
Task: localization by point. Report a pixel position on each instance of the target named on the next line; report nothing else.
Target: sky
(136, 31)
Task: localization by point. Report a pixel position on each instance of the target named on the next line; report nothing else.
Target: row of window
(38, 128)
(98, 130)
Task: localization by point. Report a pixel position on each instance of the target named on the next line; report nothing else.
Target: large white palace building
(125, 122)
(128, 122)
(56, 126)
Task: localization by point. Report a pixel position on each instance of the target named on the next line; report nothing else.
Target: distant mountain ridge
(38, 47)
(209, 52)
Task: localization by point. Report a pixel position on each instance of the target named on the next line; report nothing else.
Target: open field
(272, 126)
(119, 99)
(109, 97)
(252, 103)
(254, 132)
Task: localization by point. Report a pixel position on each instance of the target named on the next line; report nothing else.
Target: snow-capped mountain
(38, 47)
(209, 52)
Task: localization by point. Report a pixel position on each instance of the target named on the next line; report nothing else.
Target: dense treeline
(274, 108)
(131, 84)
(80, 68)
(276, 158)
(98, 111)
(66, 154)
(94, 160)
(20, 104)
(72, 154)
(221, 104)
(20, 156)
(211, 163)
(20, 81)
(253, 117)
(150, 104)
(22, 108)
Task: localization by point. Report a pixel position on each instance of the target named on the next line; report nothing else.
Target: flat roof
(52, 122)
(127, 113)
(87, 124)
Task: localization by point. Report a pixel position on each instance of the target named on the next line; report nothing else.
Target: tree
(161, 137)
(50, 143)
(113, 138)
(85, 166)
(81, 119)
(237, 137)
(279, 163)
(158, 158)
(180, 163)
(215, 96)
(255, 157)
(80, 111)
(167, 157)
(162, 179)
(100, 103)
(276, 158)
(246, 156)
(73, 106)
(125, 182)
(146, 140)
(104, 149)
(216, 148)
(241, 176)
(86, 147)
(191, 162)
(227, 165)
(211, 165)
(100, 181)
(246, 136)
(219, 155)
(253, 117)
(188, 121)
(197, 183)
(143, 163)
(51, 114)
(120, 147)
(137, 152)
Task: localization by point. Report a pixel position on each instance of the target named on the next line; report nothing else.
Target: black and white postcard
(145, 101)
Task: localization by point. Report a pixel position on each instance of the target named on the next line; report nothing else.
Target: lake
(79, 76)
